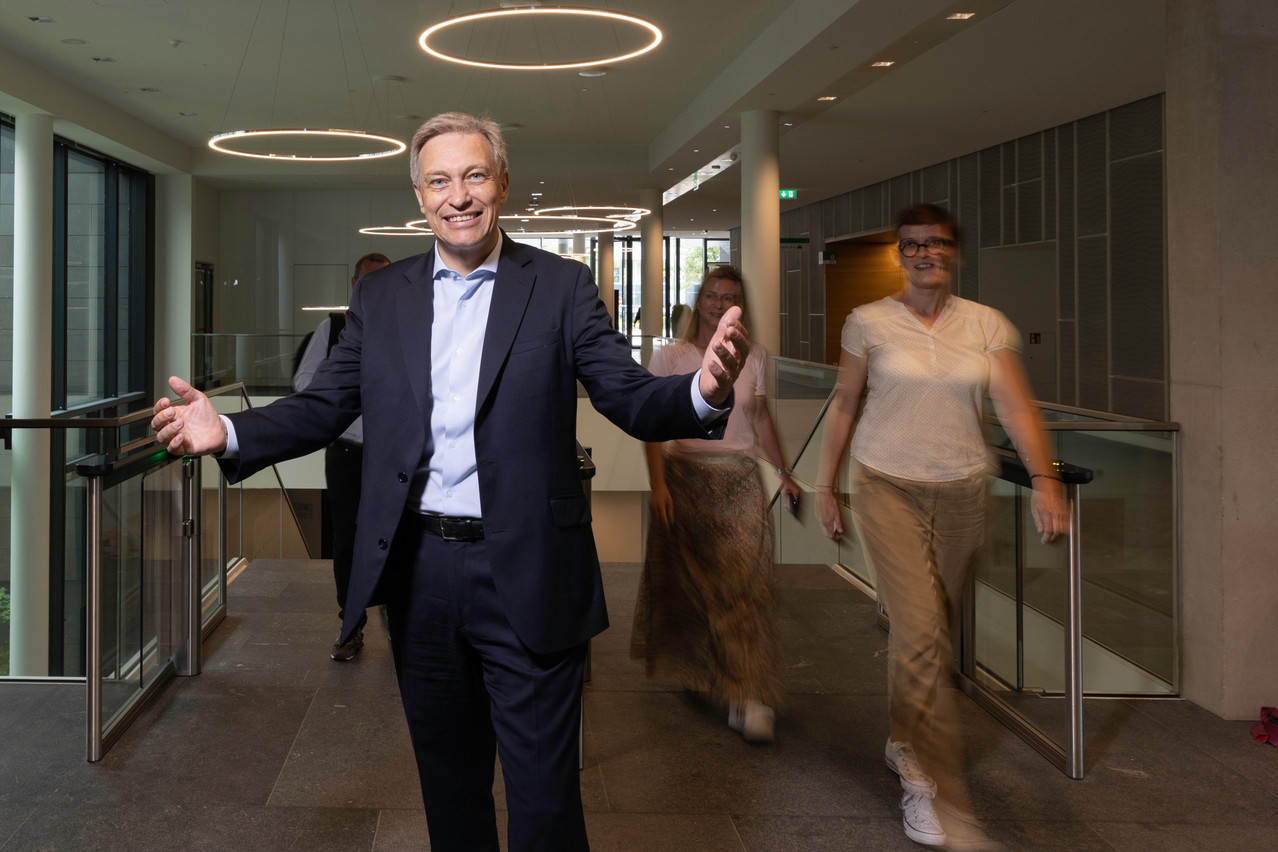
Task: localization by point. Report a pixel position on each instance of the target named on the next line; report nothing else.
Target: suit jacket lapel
(416, 305)
(511, 292)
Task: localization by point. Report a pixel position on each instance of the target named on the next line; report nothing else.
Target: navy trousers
(471, 690)
(343, 467)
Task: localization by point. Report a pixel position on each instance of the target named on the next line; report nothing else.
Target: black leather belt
(449, 529)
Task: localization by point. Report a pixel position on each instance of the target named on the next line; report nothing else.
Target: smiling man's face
(460, 193)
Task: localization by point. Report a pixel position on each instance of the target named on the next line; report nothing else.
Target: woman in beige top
(927, 359)
(704, 613)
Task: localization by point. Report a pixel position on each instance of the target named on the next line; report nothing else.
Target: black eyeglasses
(936, 245)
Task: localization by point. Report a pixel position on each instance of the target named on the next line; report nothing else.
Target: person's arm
(765, 434)
(1014, 404)
(316, 349)
(839, 423)
(660, 504)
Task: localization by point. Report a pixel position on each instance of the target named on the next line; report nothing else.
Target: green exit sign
(789, 193)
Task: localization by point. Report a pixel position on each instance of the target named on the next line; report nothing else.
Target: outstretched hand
(194, 429)
(724, 358)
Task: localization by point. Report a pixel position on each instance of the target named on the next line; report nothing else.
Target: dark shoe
(346, 651)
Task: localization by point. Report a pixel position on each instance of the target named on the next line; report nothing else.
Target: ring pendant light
(618, 211)
(393, 146)
(613, 226)
(560, 11)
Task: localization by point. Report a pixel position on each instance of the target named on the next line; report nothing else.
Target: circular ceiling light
(609, 226)
(310, 146)
(618, 211)
(394, 231)
(528, 15)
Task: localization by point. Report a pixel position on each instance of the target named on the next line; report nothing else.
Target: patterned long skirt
(704, 616)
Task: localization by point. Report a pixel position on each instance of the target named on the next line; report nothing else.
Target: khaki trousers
(920, 540)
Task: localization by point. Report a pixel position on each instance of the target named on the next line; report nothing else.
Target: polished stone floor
(275, 747)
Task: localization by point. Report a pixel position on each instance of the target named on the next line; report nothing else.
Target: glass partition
(262, 362)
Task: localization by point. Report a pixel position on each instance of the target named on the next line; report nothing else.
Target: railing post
(1074, 635)
(93, 621)
(188, 659)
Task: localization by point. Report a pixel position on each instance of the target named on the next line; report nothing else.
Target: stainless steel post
(190, 630)
(1074, 635)
(93, 621)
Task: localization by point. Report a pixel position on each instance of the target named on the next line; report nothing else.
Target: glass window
(85, 279)
(6, 267)
(102, 240)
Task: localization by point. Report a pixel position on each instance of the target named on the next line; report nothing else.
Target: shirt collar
(487, 269)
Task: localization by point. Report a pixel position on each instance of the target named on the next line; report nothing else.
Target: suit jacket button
(381, 543)
(403, 477)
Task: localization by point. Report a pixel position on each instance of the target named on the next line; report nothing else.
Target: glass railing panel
(140, 576)
(74, 585)
(1128, 558)
(263, 362)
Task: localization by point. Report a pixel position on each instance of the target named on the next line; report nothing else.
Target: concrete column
(174, 272)
(32, 386)
(1222, 208)
(603, 275)
(653, 270)
(761, 224)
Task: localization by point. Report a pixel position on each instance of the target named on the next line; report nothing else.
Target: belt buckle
(445, 524)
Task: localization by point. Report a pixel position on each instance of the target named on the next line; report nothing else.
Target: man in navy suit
(473, 527)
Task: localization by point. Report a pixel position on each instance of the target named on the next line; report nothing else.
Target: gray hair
(458, 122)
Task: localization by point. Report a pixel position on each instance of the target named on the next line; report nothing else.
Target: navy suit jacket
(546, 330)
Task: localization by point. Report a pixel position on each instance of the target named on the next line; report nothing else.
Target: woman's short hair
(930, 214)
(691, 321)
(457, 122)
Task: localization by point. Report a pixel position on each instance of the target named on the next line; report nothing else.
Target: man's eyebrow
(443, 173)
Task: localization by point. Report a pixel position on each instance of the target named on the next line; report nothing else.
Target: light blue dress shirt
(449, 482)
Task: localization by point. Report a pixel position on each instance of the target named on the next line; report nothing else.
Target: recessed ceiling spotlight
(789, 124)
(592, 72)
(74, 41)
(40, 19)
(103, 59)
(535, 194)
(727, 127)
(828, 98)
(961, 16)
(883, 64)
(696, 150)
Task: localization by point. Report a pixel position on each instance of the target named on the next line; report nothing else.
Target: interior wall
(1090, 191)
(265, 235)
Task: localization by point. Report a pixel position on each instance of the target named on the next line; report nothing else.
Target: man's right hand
(194, 429)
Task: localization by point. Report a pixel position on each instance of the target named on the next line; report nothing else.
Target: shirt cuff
(706, 412)
(232, 450)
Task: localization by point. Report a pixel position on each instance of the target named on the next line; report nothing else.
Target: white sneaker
(963, 832)
(902, 760)
(754, 720)
(920, 820)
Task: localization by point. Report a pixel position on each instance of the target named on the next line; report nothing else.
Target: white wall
(265, 234)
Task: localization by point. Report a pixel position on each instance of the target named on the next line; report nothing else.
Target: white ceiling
(1018, 66)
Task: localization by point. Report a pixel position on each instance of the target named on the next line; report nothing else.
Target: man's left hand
(724, 358)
